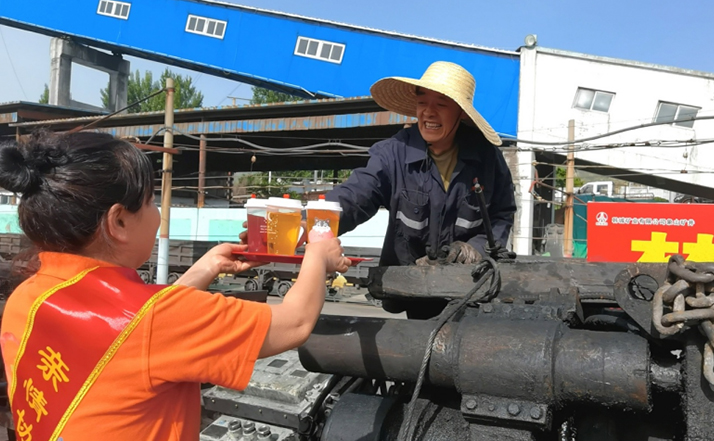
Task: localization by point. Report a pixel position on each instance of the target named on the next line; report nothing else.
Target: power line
(230, 93)
(591, 125)
(614, 132)
(12, 65)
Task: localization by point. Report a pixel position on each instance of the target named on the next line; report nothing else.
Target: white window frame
(596, 92)
(320, 45)
(207, 23)
(114, 5)
(676, 114)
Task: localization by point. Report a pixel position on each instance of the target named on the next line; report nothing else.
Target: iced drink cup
(323, 215)
(284, 217)
(257, 227)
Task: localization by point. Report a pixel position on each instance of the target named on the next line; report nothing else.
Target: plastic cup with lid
(257, 210)
(283, 220)
(322, 216)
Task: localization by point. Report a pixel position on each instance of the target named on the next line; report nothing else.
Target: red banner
(81, 325)
(649, 232)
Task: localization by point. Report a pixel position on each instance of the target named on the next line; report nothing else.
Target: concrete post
(64, 52)
(122, 85)
(523, 225)
(60, 74)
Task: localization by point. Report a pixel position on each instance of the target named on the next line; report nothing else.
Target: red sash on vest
(80, 325)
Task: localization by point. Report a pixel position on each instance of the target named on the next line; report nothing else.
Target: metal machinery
(525, 350)
(278, 277)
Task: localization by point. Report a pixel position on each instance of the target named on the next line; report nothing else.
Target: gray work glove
(457, 252)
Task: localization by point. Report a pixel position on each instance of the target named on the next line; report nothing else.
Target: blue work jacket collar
(417, 148)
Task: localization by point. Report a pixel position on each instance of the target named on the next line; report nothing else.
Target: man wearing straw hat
(424, 176)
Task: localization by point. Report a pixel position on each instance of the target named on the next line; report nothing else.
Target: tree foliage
(45, 97)
(561, 174)
(185, 94)
(258, 183)
(267, 96)
(282, 182)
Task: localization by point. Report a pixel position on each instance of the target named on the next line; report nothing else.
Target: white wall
(549, 82)
(225, 224)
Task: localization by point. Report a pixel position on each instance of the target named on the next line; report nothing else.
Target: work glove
(499, 252)
(457, 252)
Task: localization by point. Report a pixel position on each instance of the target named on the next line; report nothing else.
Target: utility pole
(569, 178)
(201, 172)
(162, 268)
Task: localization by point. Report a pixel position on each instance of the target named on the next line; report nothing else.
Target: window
(320, 50)
(114, 9)
(206, 26)
(670, 112)
(589, 99)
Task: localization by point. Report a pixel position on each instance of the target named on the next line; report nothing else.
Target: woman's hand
(223, 260)
(330, 250)
(218, 260)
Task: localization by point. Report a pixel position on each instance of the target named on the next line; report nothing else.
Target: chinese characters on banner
(53, 370)
(649, 232)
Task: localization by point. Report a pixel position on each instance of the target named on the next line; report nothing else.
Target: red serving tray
(283, 258)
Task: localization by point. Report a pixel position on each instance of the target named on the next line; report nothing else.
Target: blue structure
(302, 56)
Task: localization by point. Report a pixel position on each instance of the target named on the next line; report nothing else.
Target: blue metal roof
(258, 47)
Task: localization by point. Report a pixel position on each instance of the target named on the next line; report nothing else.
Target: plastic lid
(285, 202)
(254, 202)
(322, 204)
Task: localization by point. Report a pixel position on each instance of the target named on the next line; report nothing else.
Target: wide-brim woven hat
(398, 94)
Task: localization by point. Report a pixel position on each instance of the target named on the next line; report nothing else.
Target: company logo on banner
(649, 232)
(601, 219)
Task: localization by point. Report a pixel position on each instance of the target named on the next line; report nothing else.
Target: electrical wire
(357, 150)
(615, 132)
(106, 117)
(230, 93)
(304, 150)
(12, 65)
(483, 273)
(548, 130)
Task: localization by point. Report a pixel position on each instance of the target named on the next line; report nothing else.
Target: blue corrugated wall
(258, 48)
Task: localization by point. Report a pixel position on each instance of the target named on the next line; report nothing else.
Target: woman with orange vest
(91, 352)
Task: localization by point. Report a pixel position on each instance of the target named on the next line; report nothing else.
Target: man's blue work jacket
(403, 178)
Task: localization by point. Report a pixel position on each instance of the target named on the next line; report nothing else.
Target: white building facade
(602, 95)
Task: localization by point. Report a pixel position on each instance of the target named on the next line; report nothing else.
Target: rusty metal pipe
(542, 361)
(378, 348)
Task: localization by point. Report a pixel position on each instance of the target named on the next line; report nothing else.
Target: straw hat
(398, 94)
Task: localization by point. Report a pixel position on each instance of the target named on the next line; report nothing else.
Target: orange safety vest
(72, 332)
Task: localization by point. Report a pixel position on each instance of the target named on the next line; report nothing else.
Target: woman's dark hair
(69, 181)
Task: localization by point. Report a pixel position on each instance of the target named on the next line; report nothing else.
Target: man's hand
(425, 261)
(459, 252)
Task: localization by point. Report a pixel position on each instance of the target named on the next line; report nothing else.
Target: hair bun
(16, 173)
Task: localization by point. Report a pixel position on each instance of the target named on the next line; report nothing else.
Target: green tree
(185, 94)
(267, 96)
(45, 97)
(258, 182)
(560, 175)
